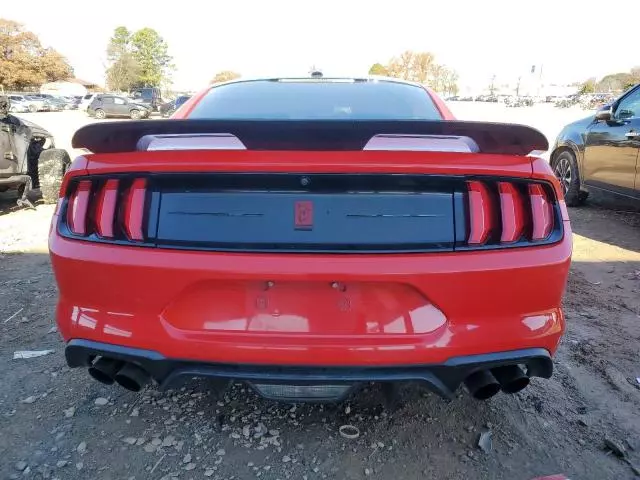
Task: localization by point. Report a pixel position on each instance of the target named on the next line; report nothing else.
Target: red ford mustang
(308, 235)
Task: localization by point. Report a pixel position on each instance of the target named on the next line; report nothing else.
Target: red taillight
(107, 214)
(516, 221)
(512, 211)
(78, 207)
(481, 213)
(541, 212)
(106, 209)
(134, 209)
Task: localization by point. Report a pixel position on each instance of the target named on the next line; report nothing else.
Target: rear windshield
(322, 100)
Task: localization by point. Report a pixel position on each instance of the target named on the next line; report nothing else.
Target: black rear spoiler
(327, 135)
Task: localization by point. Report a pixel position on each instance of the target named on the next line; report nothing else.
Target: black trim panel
(314, 135)
(443, 379)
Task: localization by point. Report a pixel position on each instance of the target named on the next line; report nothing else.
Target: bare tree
(402, 66)
(422, 67)
(225, 76)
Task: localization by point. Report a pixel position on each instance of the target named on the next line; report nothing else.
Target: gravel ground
(58, 423)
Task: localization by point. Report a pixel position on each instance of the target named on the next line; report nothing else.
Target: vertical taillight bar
(134, 209)
(512, 212)
(541, 212)
(78, 207)
(481, 213)
(106, 209)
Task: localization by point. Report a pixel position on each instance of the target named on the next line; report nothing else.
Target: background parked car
(167, 109)
(86, 100)
(40, 102)
(18, 106)
(149, 96)
(54, 104)
(33, 105)
(104, 106)
(600, 152)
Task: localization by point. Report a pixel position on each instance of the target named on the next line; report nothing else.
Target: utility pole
(539, 80)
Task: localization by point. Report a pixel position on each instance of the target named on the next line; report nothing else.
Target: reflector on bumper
(301, 392)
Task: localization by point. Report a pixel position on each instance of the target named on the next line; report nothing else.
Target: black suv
(601, 152)
(168, 109)
(149, 96)
(104, 106)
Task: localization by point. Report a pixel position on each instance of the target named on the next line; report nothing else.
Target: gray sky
(266, 37)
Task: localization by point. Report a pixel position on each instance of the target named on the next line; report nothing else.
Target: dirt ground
(58, 423)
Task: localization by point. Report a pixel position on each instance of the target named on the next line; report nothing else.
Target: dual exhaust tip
(484, 384)
(127, 375)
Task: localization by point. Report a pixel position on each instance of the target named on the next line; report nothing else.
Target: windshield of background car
(317, 100)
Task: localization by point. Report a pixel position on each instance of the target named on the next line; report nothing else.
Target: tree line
(419, 67)
(615, 82)
(24, 62)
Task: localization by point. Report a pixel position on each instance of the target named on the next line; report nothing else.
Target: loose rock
(130, 440)
(82, 448)
(168, 441)
(190, 466)
(21, 465)
(61, 463)
(484, 442)
(286, 459)
(187, 458)
(616, 447)
(29, 399)
(150, 448)
(69, 412)
(101, 401)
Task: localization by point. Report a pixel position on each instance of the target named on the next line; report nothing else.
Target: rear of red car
(308, 256)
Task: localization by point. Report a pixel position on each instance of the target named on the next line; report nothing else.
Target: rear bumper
(175, 303)
(442, 379)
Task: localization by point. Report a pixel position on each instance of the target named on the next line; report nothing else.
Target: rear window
(321, 100)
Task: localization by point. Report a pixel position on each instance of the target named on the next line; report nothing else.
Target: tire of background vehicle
(135, 114)
(566, 169)
(52, 165)
(33, 108)
(100, 114)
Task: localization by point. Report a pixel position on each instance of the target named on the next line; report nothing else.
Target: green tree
(378, 69)
(123, 71)
(151, 53)
(225, 76)
(588, 86)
